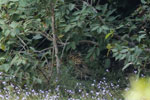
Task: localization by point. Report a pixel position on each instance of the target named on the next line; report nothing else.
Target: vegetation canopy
(48, 42)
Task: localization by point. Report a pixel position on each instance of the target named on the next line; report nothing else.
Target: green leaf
(23, 3)
(15, 32)
(143, 1)
(126, 66)
(95, 28)
(90, 52)
(3, 2)
(99, 30)
(14, 60)
(14, 24)
(124, 51)
(71, 6)
(2, 47)
(105, 27)
(13, 0)
(61, 0)
(115, 54)
(67, 28)
(10, 88)
(73, 45)
(109, 34)
(37, 37)
(123, 57)
(38, 80)
(5, 67)
(118, 57)
(107, 63)
(104, 8)
(110, 19)
(110, 12)
(114, 50)
(7, 33)
(97, 51)
(109, 46)
(141, 37)
(17, 70)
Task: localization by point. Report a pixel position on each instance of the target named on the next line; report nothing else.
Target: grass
(101, 90)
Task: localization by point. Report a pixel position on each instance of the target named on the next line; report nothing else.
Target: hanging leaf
(67, 28)
(71, 6)
(143, 1)
(60, 36)
(141, 37)
(2, 47)
(90, 52)
(126, 66)
(109, 47)
(73, 45)
(109, 34)
(107, 63)
(5, 67)
(105, 27)
(37, 37)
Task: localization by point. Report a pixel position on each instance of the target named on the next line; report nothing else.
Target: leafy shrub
(37, 36)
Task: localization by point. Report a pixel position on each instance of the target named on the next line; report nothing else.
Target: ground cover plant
(101, 90)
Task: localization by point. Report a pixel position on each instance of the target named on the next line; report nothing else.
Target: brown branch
(54, 37)
(23, 43)
(46, 36)
(43, 34)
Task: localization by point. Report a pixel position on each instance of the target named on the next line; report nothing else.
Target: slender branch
(64, 47)
(54, 37)
(23, 43)
(88, 41)
(98, 2)
(46, 36)
(43, 34)
(45, 76)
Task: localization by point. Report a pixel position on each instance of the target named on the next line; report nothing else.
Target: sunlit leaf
(61, 36)
(126, 66)
(109, 34)
(2, 46)
(36, 37)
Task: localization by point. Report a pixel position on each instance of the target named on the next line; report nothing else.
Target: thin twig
(46, 36)
(64, 47)
(98, 2)
(52, 64)
(43, 34)
(24, 44)
(88, 41)
(43, 74)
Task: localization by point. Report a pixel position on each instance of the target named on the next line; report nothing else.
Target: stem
(54, 37)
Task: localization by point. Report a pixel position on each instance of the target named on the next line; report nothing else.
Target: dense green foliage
(41, 40)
